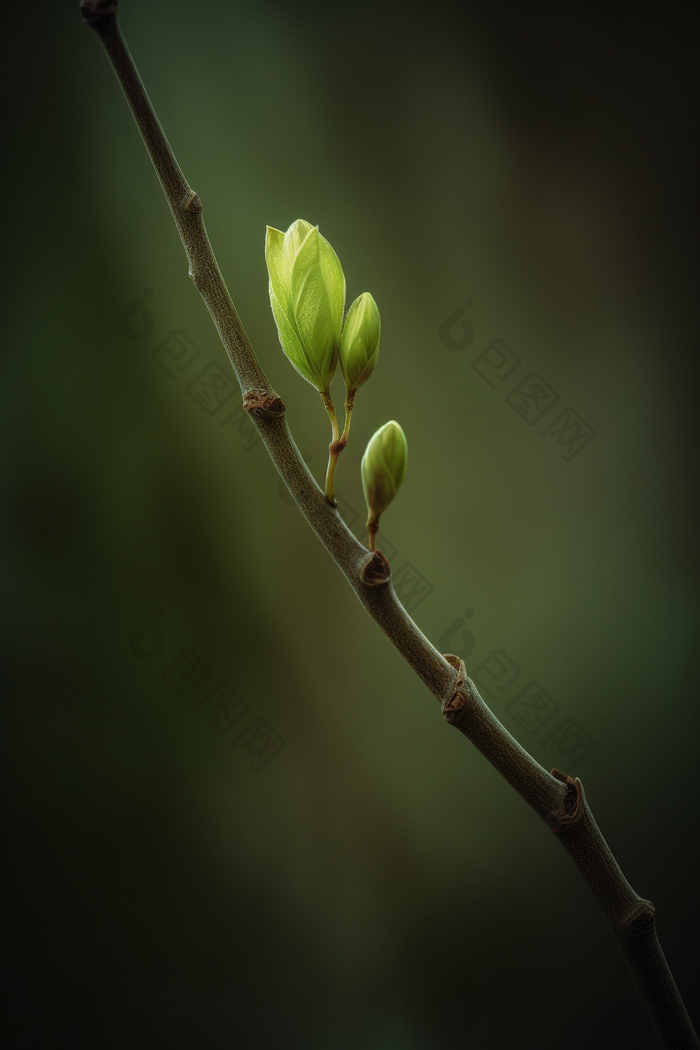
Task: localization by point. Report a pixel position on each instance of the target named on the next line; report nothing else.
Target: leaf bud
(384, 468)
(359, 342)
(307, 295)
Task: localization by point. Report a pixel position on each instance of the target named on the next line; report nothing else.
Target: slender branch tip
(93, 10)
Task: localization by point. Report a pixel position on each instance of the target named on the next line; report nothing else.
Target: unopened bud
(383, 469)
(359, 342)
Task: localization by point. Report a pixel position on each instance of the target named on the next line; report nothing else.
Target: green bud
(384, 467)
(359, 342)
(307, 295)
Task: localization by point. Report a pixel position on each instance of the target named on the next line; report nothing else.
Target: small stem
(334, 448)
(372, 530)
(338, 444)
(327, 399)
(349, 405)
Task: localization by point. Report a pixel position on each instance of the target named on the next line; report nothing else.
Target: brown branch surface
(557, 798)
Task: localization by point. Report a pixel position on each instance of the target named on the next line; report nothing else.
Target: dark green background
(377, 885)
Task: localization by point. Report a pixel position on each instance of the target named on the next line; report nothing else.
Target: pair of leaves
(307, 294)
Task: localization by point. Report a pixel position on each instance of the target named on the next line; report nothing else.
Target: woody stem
(556, 798)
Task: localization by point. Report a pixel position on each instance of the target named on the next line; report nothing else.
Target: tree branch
(556, 798)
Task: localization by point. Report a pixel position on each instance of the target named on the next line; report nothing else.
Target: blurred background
(236, 816)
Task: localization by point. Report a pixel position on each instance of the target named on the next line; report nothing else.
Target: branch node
(375, 570)
(640, 919)
(458, 665)
(93, 10)
(194, 203)
(454, 709)
(265, 404)
(569, 813)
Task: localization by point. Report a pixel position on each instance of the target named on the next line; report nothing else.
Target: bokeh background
(524, 173)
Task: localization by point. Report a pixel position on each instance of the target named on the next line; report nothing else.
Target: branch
(556, 798)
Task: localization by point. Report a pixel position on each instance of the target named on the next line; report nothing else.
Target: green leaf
(274, 241)
(291, 344)
(318, 299)
(335, 283)
(307, 294)
(293, 240)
